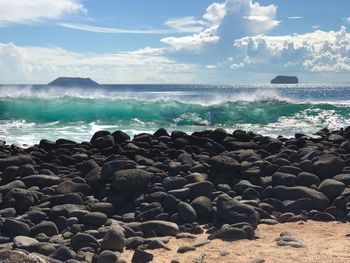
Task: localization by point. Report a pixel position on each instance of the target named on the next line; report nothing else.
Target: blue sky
(183, 41)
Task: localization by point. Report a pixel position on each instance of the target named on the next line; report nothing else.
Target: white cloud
(42, 64)
(319, 51)
(228, 21)
(173, 26)
(295, 17)
(29, 11)
(186, 24)
(98, 29)
(348, 19)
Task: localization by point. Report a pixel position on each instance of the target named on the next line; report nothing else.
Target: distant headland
(285, 80)
(73, 82)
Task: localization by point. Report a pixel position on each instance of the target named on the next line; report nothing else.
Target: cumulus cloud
(228, 21)
(319, 51)
(236, 38)
(42, 64)
(24, 11)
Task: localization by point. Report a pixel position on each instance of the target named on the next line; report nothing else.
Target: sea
(30, 113)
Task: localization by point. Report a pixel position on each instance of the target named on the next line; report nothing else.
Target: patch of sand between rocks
(324, 242)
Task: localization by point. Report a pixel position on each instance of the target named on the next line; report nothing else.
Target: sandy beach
(324, 242)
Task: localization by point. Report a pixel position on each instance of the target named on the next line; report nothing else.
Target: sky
(182, 41)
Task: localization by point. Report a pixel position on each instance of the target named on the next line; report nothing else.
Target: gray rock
(41, 180)
(197, 189)
(283, 193)
(328, 166)
(84, 240)
(131, 179)
(20, 199)
(331, 188)
(307, 179)
(15, 161)
(344, 178)
(16, 256)
(63, 253)
(141, 256)
(228, 234)
(69, 186)
(323, 217)
(114, 239)
(235, 212)
(224, 163)
(184, 249)
(161, 228)
(187, 212)
(4, 189)
(15, 227)
(107, 256)
(24, 241)
(203, 207)
(95, 219)
(47, 227)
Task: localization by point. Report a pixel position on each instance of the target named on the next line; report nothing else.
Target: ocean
(31, 113)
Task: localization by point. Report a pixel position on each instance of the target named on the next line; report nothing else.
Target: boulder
(161, 228)
(114, 239)
(328, 166)
(222, 163)
(131, 179)
(283, 193)
(203, 207)
(187, 212)
(331, 188)
(15, 227)
(47, 227)
(20, 199)
(15, 161)
(234, 212)
(84, 240)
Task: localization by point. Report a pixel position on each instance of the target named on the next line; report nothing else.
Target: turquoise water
(28, 114)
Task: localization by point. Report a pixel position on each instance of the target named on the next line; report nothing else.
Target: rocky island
(285, 80)
(73, 82)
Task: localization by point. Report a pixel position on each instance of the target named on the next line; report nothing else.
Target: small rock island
(73, 82)
(285, 80)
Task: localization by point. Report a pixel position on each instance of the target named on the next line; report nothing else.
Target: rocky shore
(72, 202)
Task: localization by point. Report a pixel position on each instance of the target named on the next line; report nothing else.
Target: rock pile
(65, 201)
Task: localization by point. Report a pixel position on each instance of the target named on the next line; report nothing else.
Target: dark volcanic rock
(235, 212)
(187, 212)
(84, 240)
(47, 227)
(224, 163)
(328, 166)
(141, 256)
(320, 201)
(131, 179)
(114, 239)
(161, 228)
(15, 161)
(20, 199)
(331, 188)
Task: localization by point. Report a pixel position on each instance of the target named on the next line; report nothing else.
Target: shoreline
(72, 202)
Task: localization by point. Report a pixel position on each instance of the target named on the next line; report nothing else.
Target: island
(73, 82)
(285, 80)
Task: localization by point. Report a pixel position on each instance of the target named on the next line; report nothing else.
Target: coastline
(78, 202)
